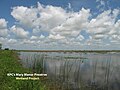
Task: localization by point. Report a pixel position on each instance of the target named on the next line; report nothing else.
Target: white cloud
(37, 37)
(104, 24)
(74, 24)
(3, 28)
(3, 39)
(3, 23)
(19, 32)
(48, 18)
(24, 15)
(56, 21)
(40, 18)
(25, 41)
(12, 41)
(116, 12)
(53, 25)
(57, 37)
(34, 37)
(3, 32)
(99, 36)
(42, 36)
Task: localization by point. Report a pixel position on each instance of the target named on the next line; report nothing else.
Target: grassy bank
(9, 63)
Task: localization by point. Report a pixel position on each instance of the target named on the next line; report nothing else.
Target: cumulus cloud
(24, 15)
(55, 21)
(104, 24)
(3, 32)
(3, 28)
(12, 41)
(37, 37)
(34, 37)
(52, 25)
(25, 41)
(19, 32)
(41, 17)
(56, 37)
(3, 23)
(76, 22)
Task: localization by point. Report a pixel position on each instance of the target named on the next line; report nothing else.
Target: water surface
(74, 71)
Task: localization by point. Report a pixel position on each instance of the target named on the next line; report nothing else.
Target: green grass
(9, 63)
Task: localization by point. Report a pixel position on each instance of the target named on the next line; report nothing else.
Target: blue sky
(60, 24)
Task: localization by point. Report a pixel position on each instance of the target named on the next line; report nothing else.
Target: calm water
(78, 71)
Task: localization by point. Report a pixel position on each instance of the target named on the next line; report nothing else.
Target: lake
(76, 71)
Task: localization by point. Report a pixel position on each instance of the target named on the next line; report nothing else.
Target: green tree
(0, 46)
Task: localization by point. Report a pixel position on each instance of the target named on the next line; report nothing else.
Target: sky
(60, 24)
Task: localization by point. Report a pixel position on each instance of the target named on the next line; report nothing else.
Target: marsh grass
(9, 63)
(38, 64)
